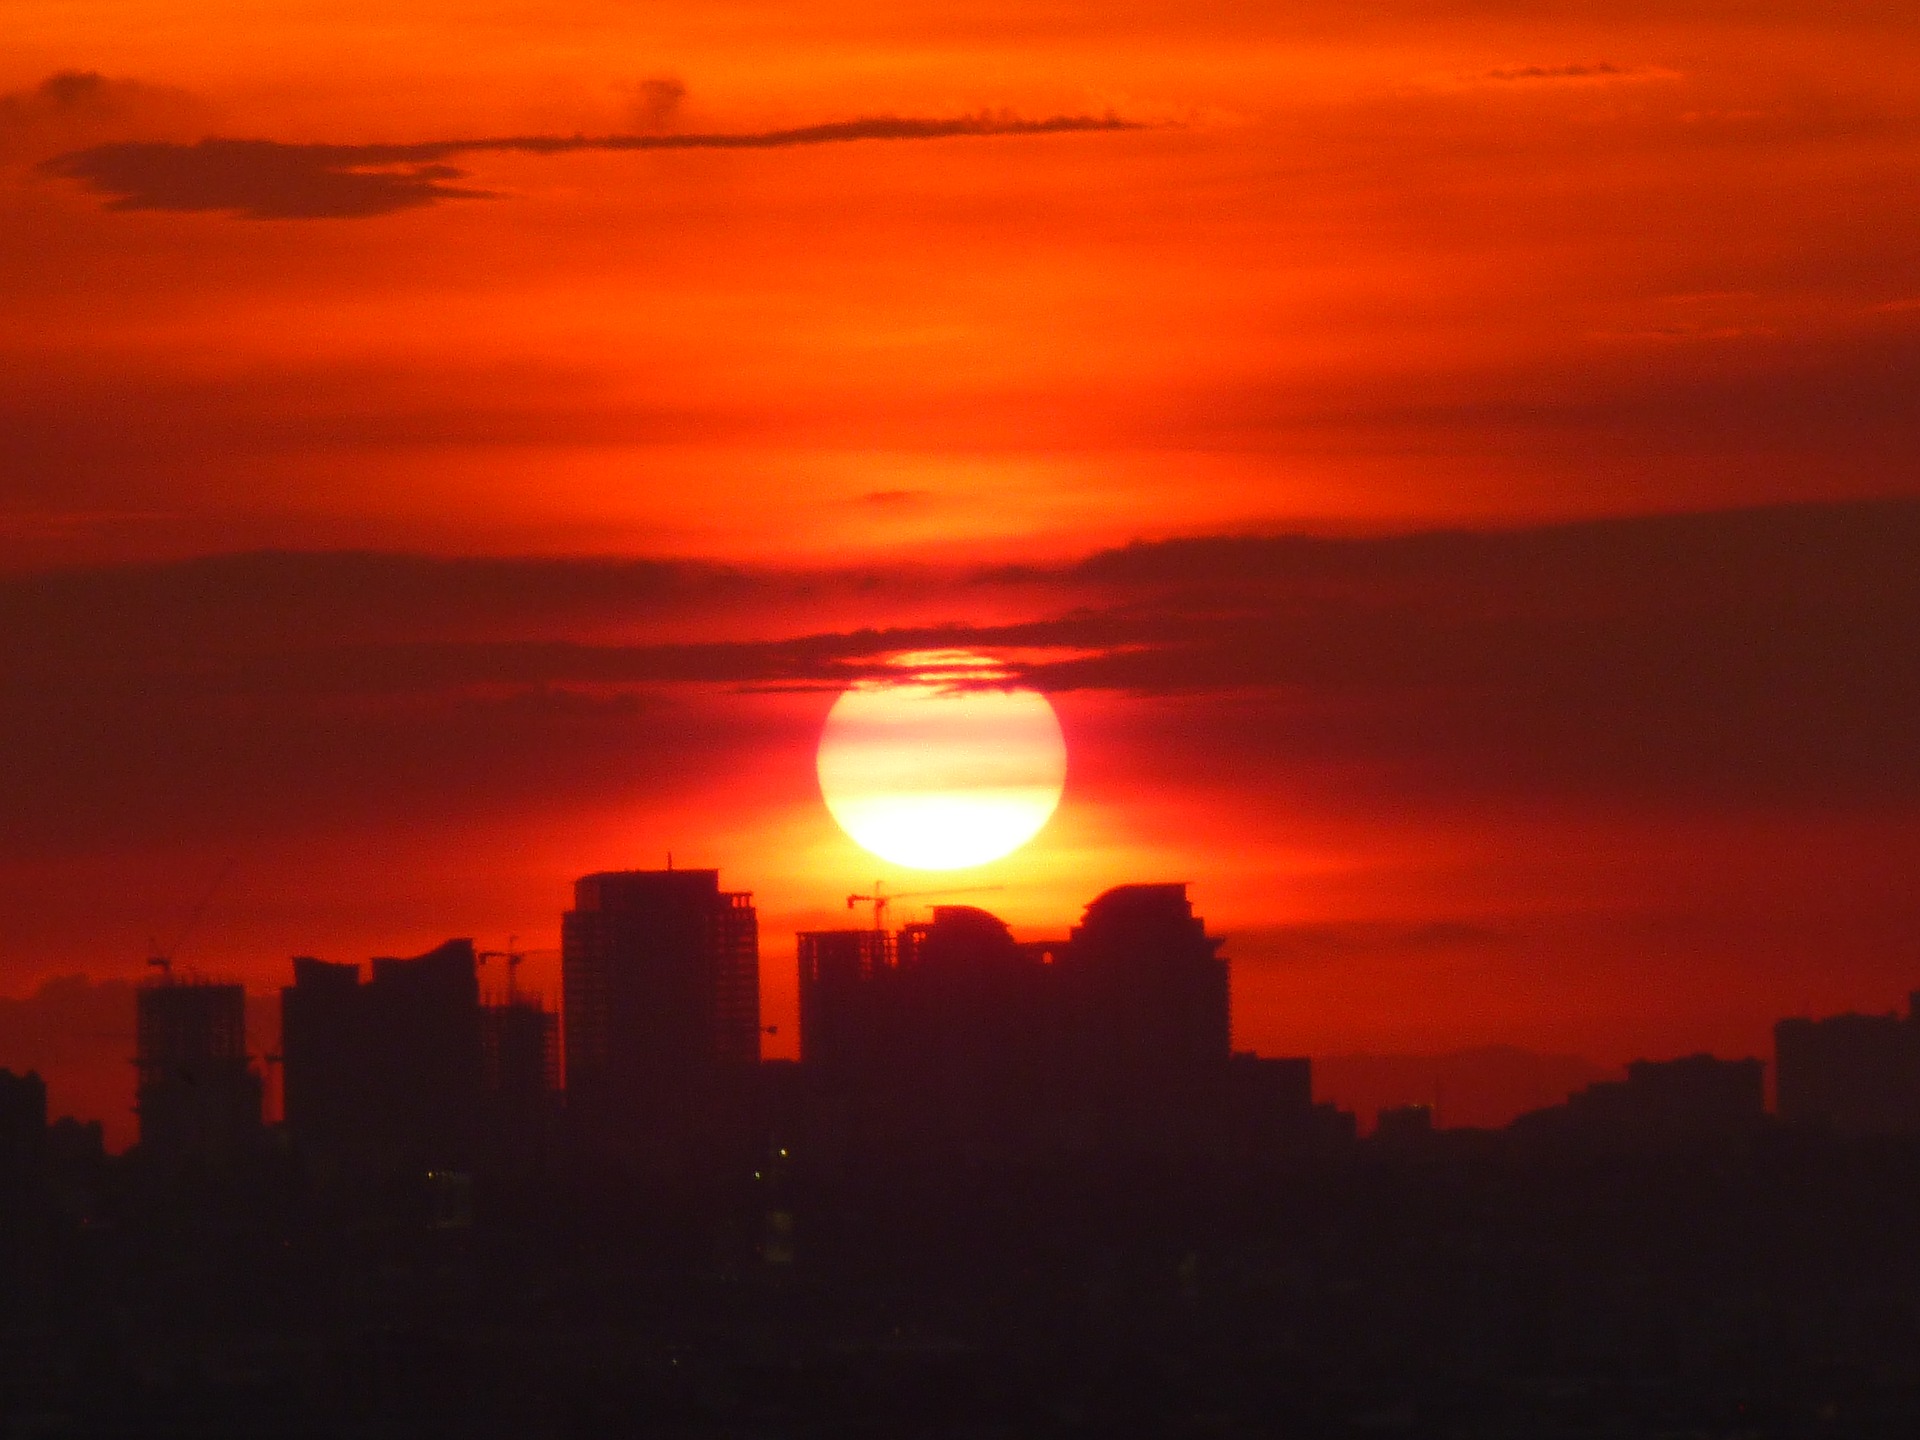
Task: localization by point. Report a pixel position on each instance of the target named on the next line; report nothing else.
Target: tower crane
(880, 899)
(161, 957)
(513, 955)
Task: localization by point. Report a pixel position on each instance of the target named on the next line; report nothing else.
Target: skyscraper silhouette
(661, 977)
(411, 1072)
(952, 1037)
(1150, 992)
(387, 1075)
(948, 1031)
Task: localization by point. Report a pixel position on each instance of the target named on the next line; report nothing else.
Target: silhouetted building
(390, 1073)
(1856, 1074)
(326, 1079)
(1692, 1100)
(844, 1023)
(199, 1095)
(1281, 1084)
(1699, 1092)
(520, 1050)
(951, 1026)
(1270, 1111)
(1403, 1125)
(661, 976)
(23, 1123)
(953, 1033)
(1148, 992)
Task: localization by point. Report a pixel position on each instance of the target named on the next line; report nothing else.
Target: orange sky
(1621, 789)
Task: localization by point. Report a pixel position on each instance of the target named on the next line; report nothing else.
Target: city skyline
(1448, 471)
(1483, 1086)
(1002, 717)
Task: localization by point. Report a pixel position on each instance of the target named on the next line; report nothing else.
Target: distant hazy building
(198, 1093)
(1695, 1099)
(1856, 1074)
(1403, 1125)
(661, 977)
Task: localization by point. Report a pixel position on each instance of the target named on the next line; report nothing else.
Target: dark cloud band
(1744, 659)
(270, 180)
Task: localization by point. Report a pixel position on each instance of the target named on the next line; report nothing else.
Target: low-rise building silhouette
(1692, 1100)
(1403, 1125)
(23, 1123)
(1855, 1074)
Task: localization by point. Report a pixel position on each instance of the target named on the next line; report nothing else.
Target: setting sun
(935, 772)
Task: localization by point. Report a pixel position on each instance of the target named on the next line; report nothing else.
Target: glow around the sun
(937, 771)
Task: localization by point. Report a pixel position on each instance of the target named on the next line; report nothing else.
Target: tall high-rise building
(953, 1038)
(945, 1034)
(955, 999)
(843, 980)
(1149, 990)
(199, 1095)
(661, 982)
(326, 1079)
(389, 1074)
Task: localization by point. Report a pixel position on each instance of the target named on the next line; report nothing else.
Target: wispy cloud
(1563, 74)
(1602, 70)
(273, 180)
(72, 107)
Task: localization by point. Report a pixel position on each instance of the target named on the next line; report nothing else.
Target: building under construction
(952, 1033)
(199, 1094)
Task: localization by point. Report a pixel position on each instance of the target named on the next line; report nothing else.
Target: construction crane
(880, 899)
(161, 957)
(513, 956)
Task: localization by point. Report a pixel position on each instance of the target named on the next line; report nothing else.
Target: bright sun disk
(932, 772)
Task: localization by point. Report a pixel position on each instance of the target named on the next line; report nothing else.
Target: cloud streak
(273, 180)
(71, 107)
(1733, 659)
(1601, 71)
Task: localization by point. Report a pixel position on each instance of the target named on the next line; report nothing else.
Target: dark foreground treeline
(1464, 1285)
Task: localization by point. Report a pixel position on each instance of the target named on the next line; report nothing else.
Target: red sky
(1454, 474)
